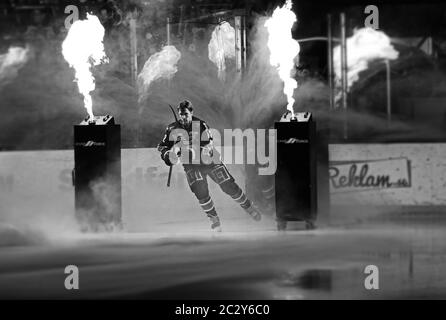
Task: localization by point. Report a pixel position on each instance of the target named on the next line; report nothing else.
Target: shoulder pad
(171, 126)
(194, 118)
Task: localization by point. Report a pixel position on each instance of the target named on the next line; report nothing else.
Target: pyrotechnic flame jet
(82, 49)
(284, 49)
(162, 64)
(11, 62)
(365, 45)
(221, 47)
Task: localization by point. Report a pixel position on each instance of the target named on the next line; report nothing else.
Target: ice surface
(248, 260)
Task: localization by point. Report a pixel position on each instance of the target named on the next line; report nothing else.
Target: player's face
(185, 116)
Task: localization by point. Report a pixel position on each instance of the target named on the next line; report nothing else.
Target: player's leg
(220, 174)
(199, 186)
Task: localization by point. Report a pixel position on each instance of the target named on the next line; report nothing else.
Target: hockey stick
(170, 167)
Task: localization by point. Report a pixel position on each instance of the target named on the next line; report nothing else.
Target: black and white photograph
(222, 154)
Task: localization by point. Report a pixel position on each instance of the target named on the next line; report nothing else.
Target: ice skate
(215, 223)
(253, 212)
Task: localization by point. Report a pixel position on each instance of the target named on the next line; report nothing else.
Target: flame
(284, 49)
(222, 47)
(11, 62)
(162, 64)
(82, 49)
(365, 45)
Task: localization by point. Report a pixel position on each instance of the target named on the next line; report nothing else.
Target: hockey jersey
(197, 134)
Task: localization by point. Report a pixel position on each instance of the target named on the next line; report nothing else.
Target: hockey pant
(197, 180)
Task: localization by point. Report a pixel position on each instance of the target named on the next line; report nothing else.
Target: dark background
(41, 103)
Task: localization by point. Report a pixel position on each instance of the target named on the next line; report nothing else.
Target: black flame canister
(97, 174)
(296, 173)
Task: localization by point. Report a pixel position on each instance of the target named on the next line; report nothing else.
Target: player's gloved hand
(176, 149)
(207, 150)
(172, 157)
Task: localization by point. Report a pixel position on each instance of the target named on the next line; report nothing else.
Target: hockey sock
(208, 207)
(241, 198)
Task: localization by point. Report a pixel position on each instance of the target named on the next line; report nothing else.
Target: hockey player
(196, 173)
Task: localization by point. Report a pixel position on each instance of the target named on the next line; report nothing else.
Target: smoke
(107, 196)
(366, 45)
(30, 215)
(11, 62)
(42, 103)
(34, 221)
(221, 47)
(12, 236)
(258, 96)
(252, 100)
(161, 65)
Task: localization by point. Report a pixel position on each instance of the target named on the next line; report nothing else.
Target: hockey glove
(172, 157)
(207, 150)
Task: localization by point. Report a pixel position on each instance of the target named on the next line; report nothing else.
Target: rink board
(38, 183)
(392, 174)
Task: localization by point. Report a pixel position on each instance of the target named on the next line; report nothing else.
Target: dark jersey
(198, 133)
